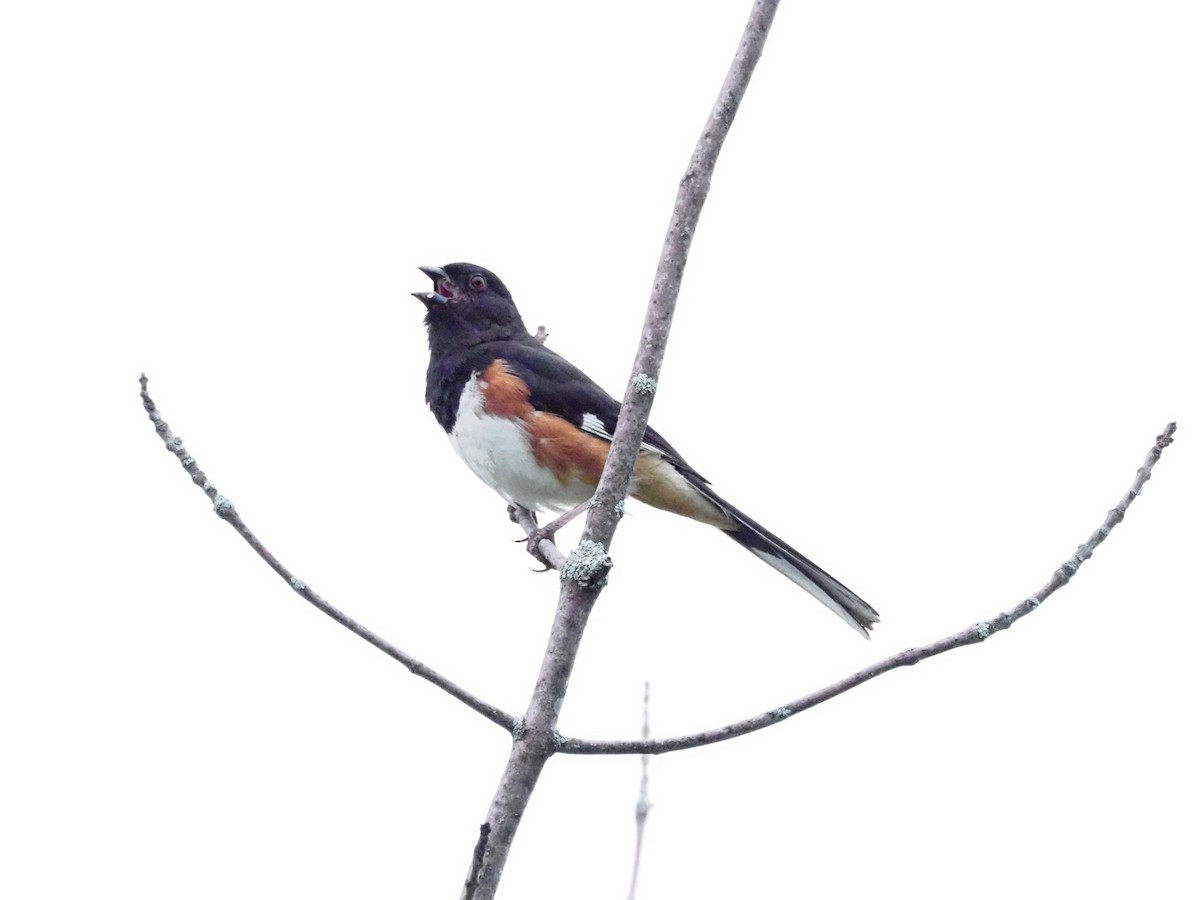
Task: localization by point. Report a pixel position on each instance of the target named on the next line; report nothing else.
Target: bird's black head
(467, 306)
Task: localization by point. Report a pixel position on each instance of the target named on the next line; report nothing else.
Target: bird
(536, 429)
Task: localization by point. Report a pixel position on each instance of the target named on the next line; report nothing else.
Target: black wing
(558, 387)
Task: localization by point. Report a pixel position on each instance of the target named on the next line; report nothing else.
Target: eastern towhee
(537, 430)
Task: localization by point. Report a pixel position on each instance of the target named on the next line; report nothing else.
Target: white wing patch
(592, 425)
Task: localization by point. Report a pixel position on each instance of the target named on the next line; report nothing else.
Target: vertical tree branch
(643, 804)
(585, 570)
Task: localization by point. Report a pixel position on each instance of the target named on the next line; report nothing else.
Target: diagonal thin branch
(689, 202)
(975, 634)
(225, 509)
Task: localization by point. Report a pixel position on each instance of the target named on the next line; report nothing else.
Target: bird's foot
(535, 534)
(533, 544)
(527, 519)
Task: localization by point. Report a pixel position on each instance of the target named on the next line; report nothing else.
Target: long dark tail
(795, 566)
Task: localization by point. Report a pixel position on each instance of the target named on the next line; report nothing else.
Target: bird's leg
(547, 531)
(515, 513)
(527, 519)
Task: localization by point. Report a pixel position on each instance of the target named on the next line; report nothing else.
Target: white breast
(497, 450)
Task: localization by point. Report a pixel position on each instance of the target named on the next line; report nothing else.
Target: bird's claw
(533, 545)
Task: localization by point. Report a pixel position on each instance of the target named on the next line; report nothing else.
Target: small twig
(643, 804)
(225, 509)
(546, 552)
(975, 634)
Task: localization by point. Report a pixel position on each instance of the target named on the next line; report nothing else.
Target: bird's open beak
(432, 298)
(444, 290)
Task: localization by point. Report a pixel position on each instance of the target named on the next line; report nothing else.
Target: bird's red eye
(477, 282)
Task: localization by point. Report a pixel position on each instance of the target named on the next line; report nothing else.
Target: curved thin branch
(225, 509)
(975, 634)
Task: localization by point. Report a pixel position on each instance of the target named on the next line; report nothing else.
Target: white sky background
(939, 305)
